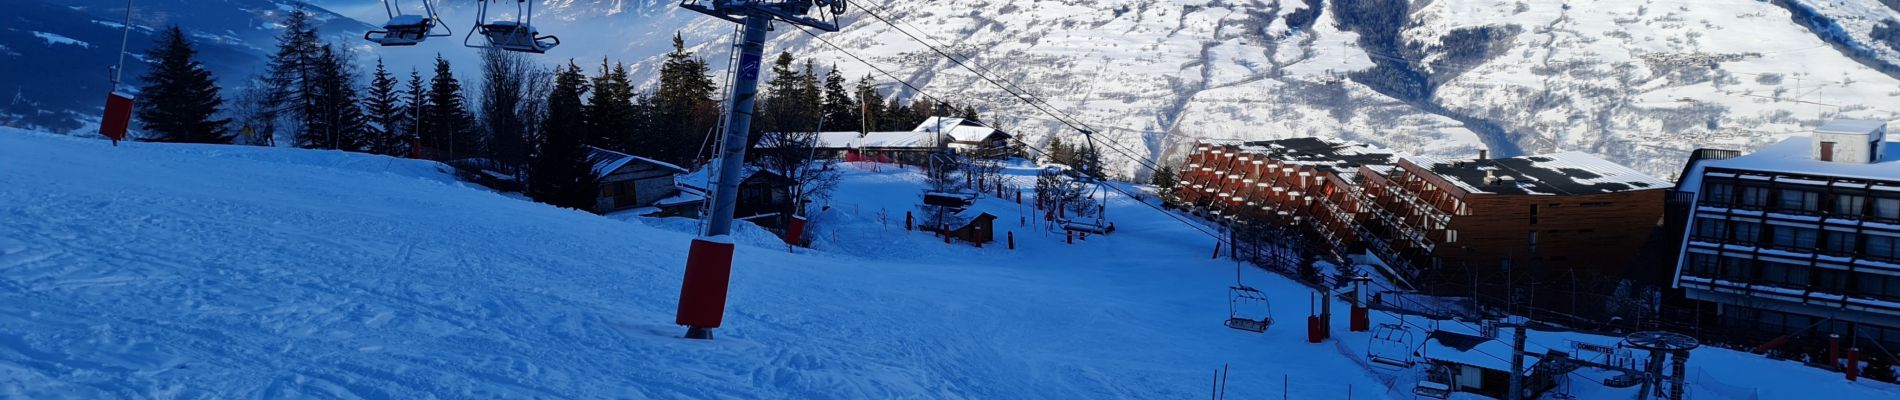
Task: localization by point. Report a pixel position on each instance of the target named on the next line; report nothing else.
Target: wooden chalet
(627, 181)
(1477, 364)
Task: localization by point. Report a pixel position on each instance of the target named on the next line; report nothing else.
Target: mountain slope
(1636, 82)
(54, 54)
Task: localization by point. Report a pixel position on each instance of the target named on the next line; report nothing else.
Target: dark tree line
(519, 119)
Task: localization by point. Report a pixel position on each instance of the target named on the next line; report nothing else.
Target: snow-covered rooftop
(606, 161)
(1792, 155)
(1339, 156)
(1477, 351)
(852, 140)
(1566, 173)
(1852, 127)
(959, 129)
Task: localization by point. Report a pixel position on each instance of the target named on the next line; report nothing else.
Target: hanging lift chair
(517, 35)
(1390, 348)
(1244, 302)
(407, 29)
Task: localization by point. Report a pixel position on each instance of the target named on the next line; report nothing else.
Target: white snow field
(196, 271)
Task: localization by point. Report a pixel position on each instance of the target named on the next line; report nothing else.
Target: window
(1829, 280)
(1718, 194)
(1876, 285)
(1786, 275)
(1849, 204)
(1797, 200)
(1711, 229)
(1533, 218)
(1754, 197)
(1703, 265)
(1886, 208)
(1887, 247)
(1735, 269)
(1747, 232)
(1795, 238)
(1840, 242)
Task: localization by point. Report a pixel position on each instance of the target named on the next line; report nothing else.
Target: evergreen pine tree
(611, 118)
(870, 106)
(684, 109)
(446, 121)
(386, 113)
(779, 105)
(180, 99)
(1164, 178)
(336, 119)
(414, 104)
(921, 110)
(810, 99)
(1059, 153)
(896, 117)
(840, 109)
(562, 173)
(290, 74)
(969, 113)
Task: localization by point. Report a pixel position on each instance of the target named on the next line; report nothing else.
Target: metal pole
(1517, 363)
(124, 39)
(702, 303)
(732, 156)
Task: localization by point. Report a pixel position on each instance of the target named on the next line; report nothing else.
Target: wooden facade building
(1428, 223)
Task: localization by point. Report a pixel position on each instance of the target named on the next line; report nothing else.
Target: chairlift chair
(1244, 301)
(1437, 384)
(1390, 348)
(407, 29)
(517, 35)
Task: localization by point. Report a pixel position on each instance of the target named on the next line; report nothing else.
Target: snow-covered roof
(1792, 155)
(1566, 173)
(959, 129)
(1341, 157)
(837, 140)
(700, 180)
(1851, 127)
(887, 140)
(608, 161)
(1477, 351)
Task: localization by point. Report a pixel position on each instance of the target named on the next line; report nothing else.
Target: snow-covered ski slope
(193, 271)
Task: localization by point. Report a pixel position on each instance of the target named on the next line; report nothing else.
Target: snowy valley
(1638, 82)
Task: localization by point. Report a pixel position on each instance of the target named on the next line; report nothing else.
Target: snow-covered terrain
(196, 271)
(1638, 82)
